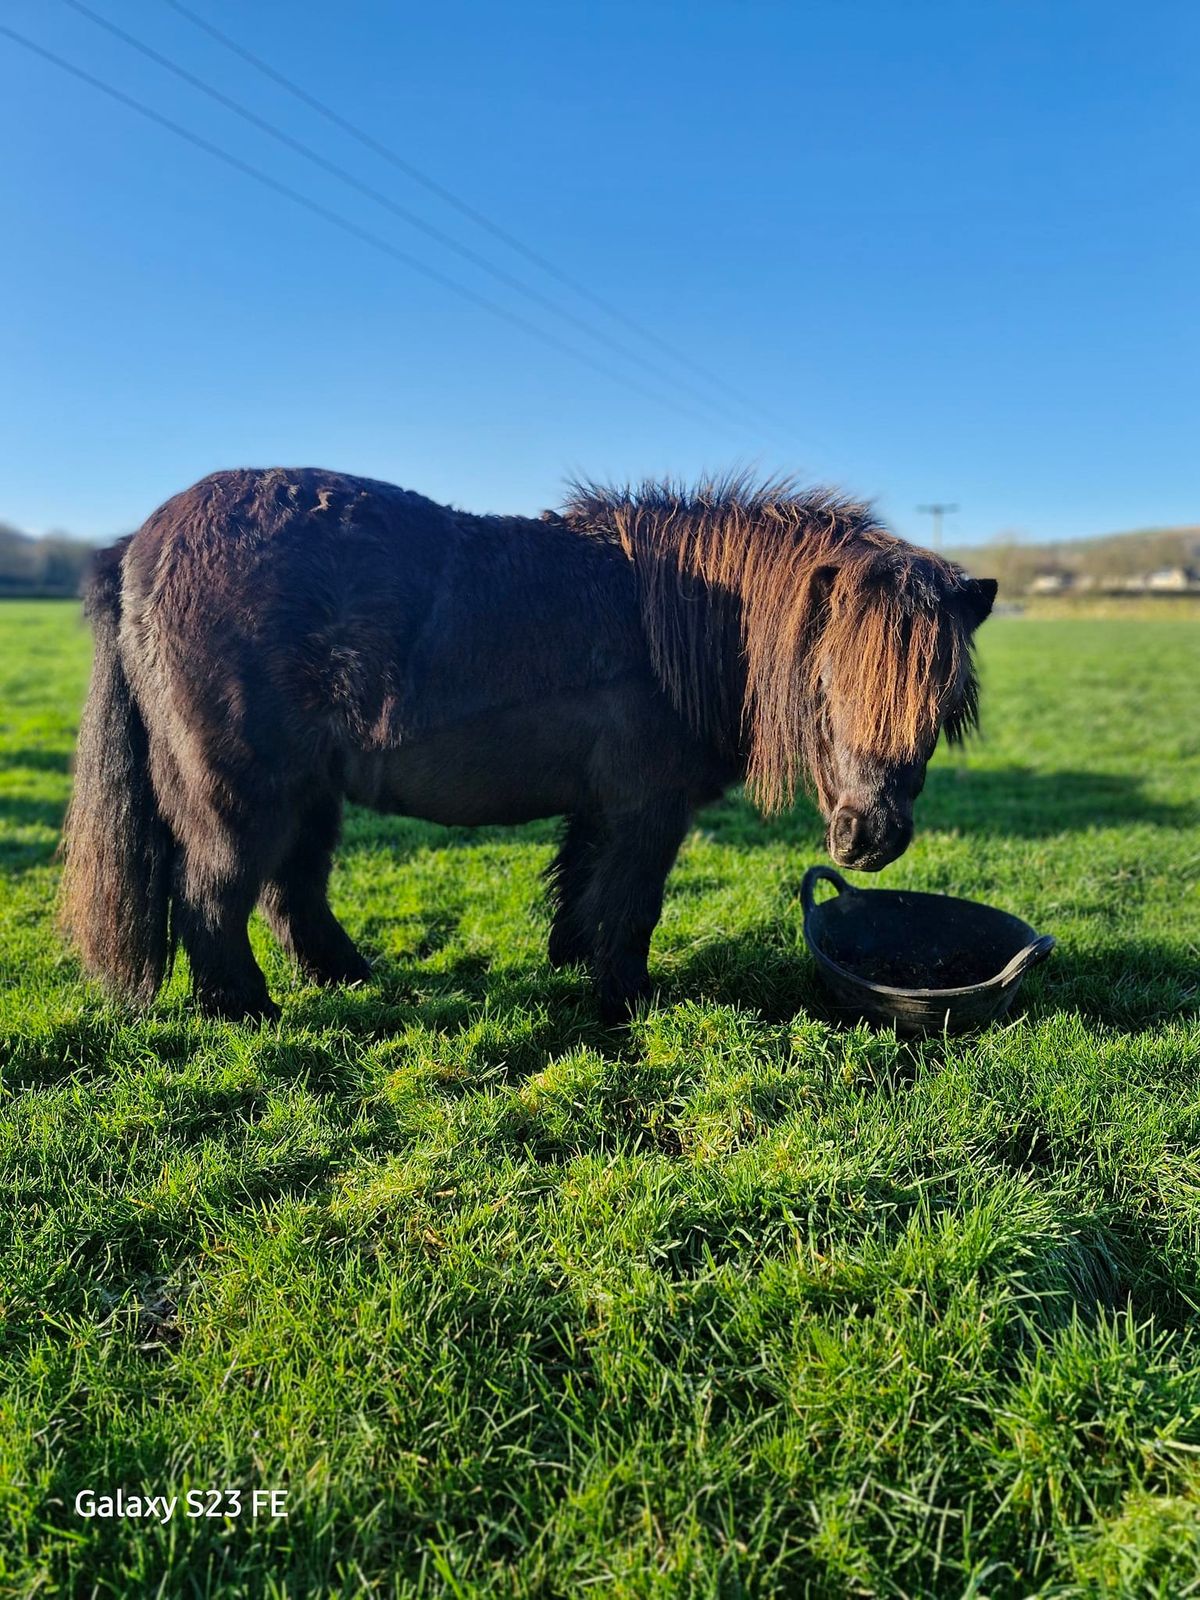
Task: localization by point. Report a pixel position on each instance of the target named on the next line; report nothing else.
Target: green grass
(737, 1303)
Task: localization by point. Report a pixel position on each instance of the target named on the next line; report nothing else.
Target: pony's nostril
(849, 831)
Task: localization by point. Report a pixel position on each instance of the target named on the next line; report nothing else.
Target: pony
(271, 643)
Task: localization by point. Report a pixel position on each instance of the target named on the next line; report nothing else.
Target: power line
(344, 223)
(384, 200)
(465, 209)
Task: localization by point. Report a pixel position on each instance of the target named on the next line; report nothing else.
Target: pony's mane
(762, 602)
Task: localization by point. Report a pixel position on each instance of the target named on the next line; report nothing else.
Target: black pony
(271, 643)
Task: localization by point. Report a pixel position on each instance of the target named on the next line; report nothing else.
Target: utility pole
(937, 512)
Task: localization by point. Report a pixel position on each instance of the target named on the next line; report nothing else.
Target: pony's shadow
(18, 856)
(35, 760)
(758, 971)
(556, 1010)
(997, 802)
(1019, 802)
(24, 812)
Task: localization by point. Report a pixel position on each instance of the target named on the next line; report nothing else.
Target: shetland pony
(271, 643)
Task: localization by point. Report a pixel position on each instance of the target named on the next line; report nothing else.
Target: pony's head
(802, 640)
(891, 670)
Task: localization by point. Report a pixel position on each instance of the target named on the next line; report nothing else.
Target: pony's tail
(116, 847)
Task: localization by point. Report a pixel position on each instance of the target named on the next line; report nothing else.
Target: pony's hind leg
(295, 900)
(573, 928)
(215, 891)
(624, 897)
(228, 831)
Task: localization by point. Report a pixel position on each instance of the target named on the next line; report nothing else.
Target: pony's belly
(614, 749)
(512, 767)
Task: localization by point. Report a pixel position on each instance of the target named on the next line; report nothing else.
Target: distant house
(1056, 582)
(1173, 580)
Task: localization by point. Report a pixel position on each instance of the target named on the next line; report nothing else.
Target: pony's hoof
(340, 975)
(232, 1008)
(618, 1007)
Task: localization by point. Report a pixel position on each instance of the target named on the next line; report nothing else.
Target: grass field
(736, 1303)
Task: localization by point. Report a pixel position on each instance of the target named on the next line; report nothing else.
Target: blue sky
(950, 249)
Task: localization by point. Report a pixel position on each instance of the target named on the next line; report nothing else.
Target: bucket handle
(1027, 958)
(812, 877)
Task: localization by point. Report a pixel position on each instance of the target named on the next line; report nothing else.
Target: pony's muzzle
(857, 841)
(847, 833)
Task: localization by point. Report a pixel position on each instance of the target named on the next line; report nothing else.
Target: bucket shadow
(1140, 984)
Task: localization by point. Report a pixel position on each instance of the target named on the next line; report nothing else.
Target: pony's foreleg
(573, 929)
(295, 900)
(624, 897)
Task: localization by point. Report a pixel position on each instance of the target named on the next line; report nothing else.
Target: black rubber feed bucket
(925, 963)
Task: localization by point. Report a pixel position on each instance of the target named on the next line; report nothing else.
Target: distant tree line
(49, 568)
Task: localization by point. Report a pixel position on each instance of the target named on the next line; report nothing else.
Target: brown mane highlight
(763, 604)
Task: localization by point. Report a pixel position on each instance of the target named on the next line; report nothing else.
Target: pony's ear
(981, 596)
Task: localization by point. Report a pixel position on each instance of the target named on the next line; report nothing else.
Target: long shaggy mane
(766, 606)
